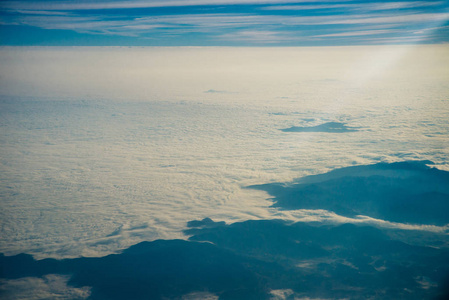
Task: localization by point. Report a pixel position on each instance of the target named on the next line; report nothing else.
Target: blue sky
(223, 23)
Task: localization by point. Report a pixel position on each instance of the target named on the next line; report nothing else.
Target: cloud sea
(220, 172)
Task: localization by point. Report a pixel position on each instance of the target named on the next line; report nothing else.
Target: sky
(223, 23)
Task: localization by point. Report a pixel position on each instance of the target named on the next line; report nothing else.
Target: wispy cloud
(430, 29)
(325, 216)
(356, 33)
(399, 5)
(436, 17)
(372, 6)
(220, 21)
(281, 22)
(306, 7)
(398, 39)
(257, 36)
(43, 12)
(87, 5)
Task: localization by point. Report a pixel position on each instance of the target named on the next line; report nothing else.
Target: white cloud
(286, 294)
(257, 36)
(219, 26)
(199, 295)
(429, 30)
(413, 18)
(371, 6)
(400, 5)
(48, 287)
(272, 26)
(103, 140)
(43, 12)
(65, 5)
(356, 33)
(324, 216)
(306, 7)
(281, 294)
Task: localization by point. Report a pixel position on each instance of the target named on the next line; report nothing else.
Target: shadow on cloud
(252, 260)
(330, 127)
(265, 258)
(406, 192)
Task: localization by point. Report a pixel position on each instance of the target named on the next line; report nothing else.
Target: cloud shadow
(407, 192)
(259, 258)
(249, 260)
(330, 127)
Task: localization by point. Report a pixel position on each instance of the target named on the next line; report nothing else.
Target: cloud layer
(407, 192)
(103, 148)
(253, 260)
